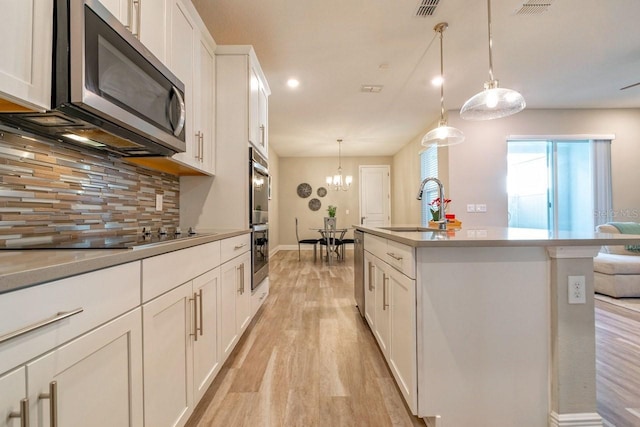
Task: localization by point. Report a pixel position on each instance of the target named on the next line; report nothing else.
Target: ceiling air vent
(427, 7)
(534, 7)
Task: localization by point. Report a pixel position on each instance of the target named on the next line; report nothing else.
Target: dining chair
(313, 242)
(344, 243)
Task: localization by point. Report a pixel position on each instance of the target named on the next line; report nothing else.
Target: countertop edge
(96, 259)
(494, 237)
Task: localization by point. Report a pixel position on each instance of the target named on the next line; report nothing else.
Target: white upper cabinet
(26, 42)
(248, 94)
(192, 59)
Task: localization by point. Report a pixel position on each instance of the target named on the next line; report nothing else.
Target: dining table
(333, 238)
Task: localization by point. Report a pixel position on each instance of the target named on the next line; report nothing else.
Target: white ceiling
(578, 54)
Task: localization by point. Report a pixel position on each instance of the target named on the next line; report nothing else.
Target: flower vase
(435, 215)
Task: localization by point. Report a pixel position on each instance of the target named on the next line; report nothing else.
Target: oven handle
(260, 168)
(260, 227)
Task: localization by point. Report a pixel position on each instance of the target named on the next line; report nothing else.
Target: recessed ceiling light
(437, 81)
(293, 83)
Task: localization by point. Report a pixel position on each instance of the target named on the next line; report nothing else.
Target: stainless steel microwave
(108, 91)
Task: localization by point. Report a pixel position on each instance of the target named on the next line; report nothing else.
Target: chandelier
(338, 181)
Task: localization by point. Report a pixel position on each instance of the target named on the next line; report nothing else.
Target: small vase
(435, 215)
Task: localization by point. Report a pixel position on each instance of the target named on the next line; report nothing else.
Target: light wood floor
(307, 359)
(618, 364)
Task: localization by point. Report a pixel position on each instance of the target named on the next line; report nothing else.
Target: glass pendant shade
(443, 135)
(493, 102)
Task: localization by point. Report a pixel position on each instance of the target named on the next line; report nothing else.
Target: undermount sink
(411, 228)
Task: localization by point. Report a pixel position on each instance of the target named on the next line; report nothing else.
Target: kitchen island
(487, 326)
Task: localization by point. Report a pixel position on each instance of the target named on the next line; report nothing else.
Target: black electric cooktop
(128, 241)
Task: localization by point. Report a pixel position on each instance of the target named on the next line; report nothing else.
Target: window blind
(428, 168)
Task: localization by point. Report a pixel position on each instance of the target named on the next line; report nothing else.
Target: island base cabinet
(402, 349)
(94, 380)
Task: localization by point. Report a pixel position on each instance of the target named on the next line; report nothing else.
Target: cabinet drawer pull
(371, 288)
(53, 402)
(394, 256)
(236, 247)
(59, 316)
(23, 414)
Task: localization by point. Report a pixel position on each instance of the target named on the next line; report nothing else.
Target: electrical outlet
(576, 286)
(471, 208)
(481, 208)
(158, 202)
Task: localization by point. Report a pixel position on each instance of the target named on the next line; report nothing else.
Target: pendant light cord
(441, 77)
(490, 41)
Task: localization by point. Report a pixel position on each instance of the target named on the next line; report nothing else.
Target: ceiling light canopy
(293, 83)
(443, 135)
(493, 102)
(338, 181)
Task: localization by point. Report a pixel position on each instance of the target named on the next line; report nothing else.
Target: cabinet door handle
(53, 402)
(242, 277)
(262, 135)
(394, 256)
(194, 334)
(58, 317)
(137, 3)
(385, 280)
(201, 146)
(201, 311)
(23, 414)
(371, 288)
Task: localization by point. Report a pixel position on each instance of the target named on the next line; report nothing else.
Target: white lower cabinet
(94, 380)
(235, 310)
(390, 310)
(14, 407)
(180, 349)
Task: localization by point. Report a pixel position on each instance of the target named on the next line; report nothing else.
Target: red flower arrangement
(434, 206)
(435, 203)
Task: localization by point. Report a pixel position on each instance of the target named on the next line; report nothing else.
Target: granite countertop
(22, 268)
(496, 237)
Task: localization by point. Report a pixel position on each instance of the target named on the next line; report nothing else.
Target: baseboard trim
(585, 419)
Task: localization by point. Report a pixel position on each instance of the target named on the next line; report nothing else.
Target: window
(428, 168)
(559, 185)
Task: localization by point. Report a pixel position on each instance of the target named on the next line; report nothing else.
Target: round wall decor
(322, 191)
(304, 190)
(314, 204)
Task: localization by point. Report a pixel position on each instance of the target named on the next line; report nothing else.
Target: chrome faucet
(442, 223)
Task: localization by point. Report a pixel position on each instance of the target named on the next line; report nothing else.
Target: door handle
(362, 218)
(195, 316)
(385, 280)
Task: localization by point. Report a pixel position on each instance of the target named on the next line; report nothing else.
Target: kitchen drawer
(164, 272)
(102, 295)
(376, 245)
(401, 257)
(234, 246)
(259, 296)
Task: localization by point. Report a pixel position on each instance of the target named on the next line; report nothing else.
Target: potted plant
(330, 221)
(434, 206)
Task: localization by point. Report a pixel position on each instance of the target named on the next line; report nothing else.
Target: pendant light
(339, 182)
(493, 102)
(443, 135)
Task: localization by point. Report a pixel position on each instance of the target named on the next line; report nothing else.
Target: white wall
(478, 166)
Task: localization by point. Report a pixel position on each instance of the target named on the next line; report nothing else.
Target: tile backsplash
(51, 191)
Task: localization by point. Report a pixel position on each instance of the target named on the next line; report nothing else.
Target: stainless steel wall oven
(259, 216)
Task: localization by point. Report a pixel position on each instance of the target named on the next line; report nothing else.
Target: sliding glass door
(553, 184)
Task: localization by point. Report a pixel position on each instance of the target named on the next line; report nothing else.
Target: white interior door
(375, 200)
